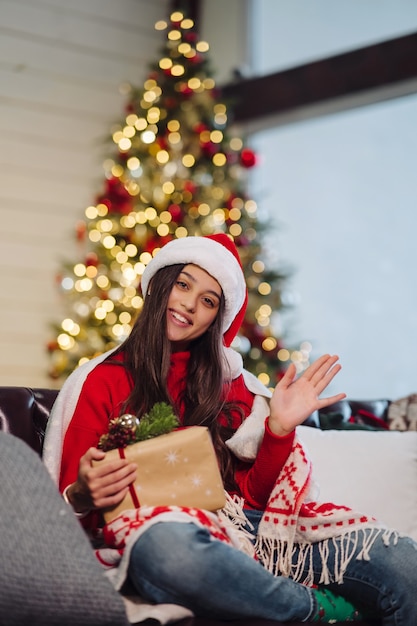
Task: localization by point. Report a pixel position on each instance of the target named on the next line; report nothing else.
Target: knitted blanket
(293, 522)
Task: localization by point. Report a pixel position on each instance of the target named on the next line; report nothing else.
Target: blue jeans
(180, 563)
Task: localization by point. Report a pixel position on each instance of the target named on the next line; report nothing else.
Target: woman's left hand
(294, 399)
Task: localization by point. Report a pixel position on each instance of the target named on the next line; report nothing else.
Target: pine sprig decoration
(128, 429)
(159, 421)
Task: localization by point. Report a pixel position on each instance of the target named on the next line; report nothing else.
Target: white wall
(287, 33)
(61, 67)
(341, 191)
(224, 24)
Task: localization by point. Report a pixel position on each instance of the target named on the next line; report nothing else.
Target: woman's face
(193, 304)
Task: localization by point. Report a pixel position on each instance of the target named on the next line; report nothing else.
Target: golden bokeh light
(188, 160)
(125, 317)
(149, 96)
(148, 136)
(258, 266)
(165, 64)
(219, 217)
(219, 159)
(125, 144)
(131, 119)
(150, 213)
(85, 284)
(184, 48)
(264, 289)
(187, 24)
(91, 271)
(109, 241)
(194, 83)
(219, 108)
(173, 126)
(131, 250)
(129, 131)
(91, 212)
(103, 282)
(162, 157)
(235, 230)
(117, 170)
(269, 343)
(79, 269)
(117, 136)
(141, 123)
(235, 214)
(202, 46)
(283, 354)
(264, 378)
(236, 144)
(153, 115)
(133, 163)
(209, 83)
(203, 209)
(65, 342)
(220, 119)
(216, 136)
(165, 217)
(94, 235)
(174, 35)
(177, 70)
(168, 187)
(162, 230)
(145, 257)
(174, 138)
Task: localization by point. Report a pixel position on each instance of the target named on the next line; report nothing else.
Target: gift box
(179, 468)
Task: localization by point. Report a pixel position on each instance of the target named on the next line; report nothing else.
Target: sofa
(357, 460)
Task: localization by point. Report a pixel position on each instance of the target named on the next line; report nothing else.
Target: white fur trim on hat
(211, 256)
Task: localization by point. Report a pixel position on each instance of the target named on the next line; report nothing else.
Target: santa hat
(218, 255)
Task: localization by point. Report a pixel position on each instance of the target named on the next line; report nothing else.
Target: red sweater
(104, 392)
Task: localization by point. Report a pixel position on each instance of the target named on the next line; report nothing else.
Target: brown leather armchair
(24, 413)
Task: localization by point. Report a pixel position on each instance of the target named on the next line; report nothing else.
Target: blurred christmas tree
(173, 171)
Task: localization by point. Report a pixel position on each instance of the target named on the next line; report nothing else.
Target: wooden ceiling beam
(363, 76)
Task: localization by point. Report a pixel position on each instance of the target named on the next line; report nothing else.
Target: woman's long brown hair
(147, 353)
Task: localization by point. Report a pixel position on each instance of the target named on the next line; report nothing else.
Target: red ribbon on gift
(132, 489)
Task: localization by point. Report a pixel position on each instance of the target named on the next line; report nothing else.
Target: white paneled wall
(61, 66)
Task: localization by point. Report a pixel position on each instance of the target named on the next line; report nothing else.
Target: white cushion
(374, 472)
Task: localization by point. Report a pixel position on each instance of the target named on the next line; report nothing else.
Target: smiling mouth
(180, 318)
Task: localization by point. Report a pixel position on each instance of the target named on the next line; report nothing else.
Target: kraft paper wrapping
(179, 468)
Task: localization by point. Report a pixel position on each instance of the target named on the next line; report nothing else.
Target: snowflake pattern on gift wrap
(172, 457)
(196, 480)
(173, 473)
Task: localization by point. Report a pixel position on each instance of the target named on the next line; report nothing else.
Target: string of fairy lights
(175, 171)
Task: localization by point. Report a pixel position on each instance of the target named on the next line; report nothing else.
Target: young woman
(178, 352)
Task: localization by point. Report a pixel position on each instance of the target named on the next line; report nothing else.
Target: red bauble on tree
(116, 197)
(176, 213)
(91, 259)
(247, 158)
(80, 230)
